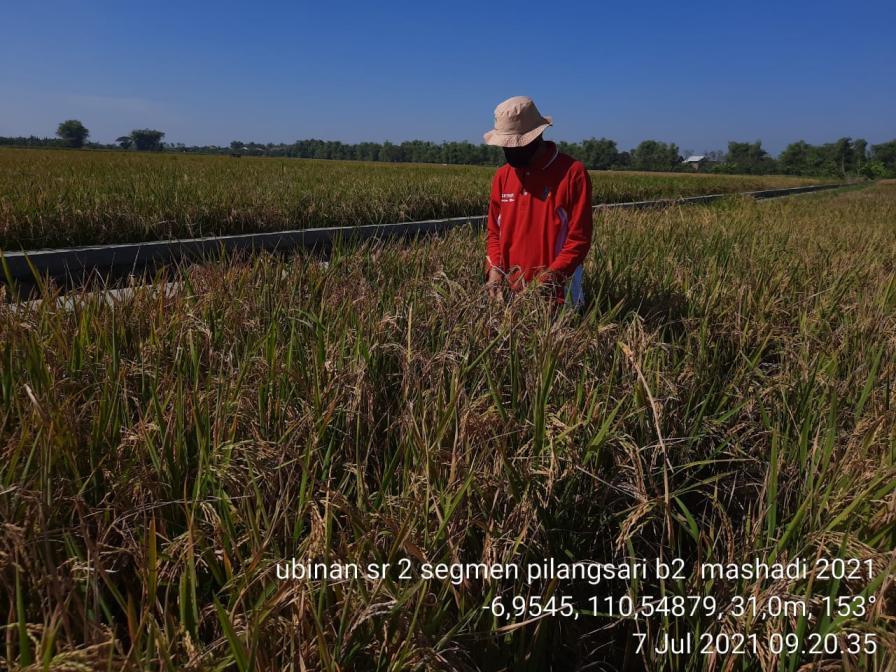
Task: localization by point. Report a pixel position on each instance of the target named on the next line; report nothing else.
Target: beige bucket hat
(517, 122)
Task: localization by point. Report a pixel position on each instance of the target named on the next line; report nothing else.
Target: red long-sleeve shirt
(540, 218)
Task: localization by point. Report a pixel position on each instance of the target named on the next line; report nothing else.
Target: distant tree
(874, 169)
(147, 140)
(368, 151)
(390, 152)
(599, 154)
(750, 158)
(655, 155)
(841, 155)
(884, 155)
(834, 159)
(859, 153)
(796, 159)
(236, 145)
(72, 132)
(125, 141)
(32, 141)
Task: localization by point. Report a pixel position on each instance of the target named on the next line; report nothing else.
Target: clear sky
(695, 73)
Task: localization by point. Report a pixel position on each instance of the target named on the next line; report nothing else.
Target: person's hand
(549, 282)
(495, 283)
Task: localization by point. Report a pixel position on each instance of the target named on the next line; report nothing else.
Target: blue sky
(697, 73)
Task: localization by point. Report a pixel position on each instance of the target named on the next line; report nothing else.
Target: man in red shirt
(539, 215)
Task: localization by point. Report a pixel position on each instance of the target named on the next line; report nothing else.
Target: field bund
(75, 265)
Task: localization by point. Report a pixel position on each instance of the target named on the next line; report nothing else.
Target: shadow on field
(659, 307)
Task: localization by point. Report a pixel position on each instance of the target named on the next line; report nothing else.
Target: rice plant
(727, 394)
(62, 198)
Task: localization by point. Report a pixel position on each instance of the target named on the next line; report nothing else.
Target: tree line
(73, 134)
(842, 158)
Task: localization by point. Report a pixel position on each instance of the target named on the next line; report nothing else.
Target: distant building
(696, 161)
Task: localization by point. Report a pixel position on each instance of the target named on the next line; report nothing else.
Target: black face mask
(519, 157)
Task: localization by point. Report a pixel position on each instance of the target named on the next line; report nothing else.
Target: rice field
(727, 395)
(55, 198)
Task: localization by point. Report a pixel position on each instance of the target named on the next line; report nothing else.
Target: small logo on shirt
(508, 198)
